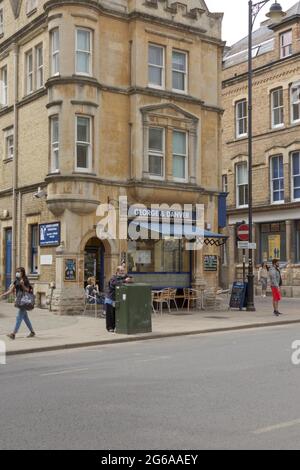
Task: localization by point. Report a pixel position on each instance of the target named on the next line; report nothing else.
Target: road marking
(288, 424)
(61, 372)
(154, 359)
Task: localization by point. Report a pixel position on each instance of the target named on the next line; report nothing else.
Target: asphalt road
(219, 391)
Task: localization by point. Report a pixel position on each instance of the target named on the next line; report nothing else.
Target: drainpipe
(15, 160)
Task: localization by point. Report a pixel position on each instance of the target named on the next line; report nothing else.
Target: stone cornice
(264, 207)
(32, 97)
(260, 70)
(161, 94)
(27, 29)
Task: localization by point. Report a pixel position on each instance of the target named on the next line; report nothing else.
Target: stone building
(276, 147)
(102, 99)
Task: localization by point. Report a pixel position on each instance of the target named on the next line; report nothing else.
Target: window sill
(33, 276)
(1, 35)
(7, 160)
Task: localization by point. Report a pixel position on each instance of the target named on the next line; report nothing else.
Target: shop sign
(70, 269)
(210, 263)
(160, 213)
(49, 234)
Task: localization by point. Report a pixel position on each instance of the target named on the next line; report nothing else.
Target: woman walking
(20, 286)
(263, 274)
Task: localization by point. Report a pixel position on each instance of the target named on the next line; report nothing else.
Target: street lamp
(275, 14)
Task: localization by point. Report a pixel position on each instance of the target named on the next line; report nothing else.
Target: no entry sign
(243, 232)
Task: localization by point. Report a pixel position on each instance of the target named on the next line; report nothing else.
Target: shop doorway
(94, 261)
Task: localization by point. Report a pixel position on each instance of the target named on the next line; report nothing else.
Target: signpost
(49, 234)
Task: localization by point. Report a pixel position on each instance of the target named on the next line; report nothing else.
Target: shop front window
(158, 256)
(273, 241)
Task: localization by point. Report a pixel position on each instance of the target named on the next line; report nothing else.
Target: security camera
(40, 193)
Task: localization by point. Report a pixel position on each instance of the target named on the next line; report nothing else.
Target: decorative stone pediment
(16, 7)
(167, 111)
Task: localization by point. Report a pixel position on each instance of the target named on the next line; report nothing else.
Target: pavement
(55, 332)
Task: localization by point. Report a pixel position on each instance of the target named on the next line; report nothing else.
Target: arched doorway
(94, 261)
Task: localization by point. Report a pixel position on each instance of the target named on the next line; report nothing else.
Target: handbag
(25, 300)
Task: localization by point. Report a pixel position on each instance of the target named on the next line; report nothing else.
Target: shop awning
(186, 230)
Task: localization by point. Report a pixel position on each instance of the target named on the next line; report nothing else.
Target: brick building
(276, 146)
(101, 99)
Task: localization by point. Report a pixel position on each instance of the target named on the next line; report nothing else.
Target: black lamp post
(275, 14)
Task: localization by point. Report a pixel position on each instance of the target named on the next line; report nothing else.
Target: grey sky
(235, 22)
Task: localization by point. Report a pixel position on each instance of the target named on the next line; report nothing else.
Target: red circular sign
(243, 232)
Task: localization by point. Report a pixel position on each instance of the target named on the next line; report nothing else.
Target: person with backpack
(19, 287)
(276, 283)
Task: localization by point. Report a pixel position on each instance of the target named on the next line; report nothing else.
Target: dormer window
(286, 44)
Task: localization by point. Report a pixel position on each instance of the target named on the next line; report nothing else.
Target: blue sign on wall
(49, 234)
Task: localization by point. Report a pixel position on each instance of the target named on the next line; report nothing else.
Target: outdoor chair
(160, 297)
(192, 295)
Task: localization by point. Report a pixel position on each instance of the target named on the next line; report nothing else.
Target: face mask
(18, 275)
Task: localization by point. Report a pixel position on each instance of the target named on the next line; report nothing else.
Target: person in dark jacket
(21, 284)
(117, 280)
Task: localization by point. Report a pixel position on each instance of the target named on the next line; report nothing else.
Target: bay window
(83, 51)
(54, 123)
(55, 51)
(83, 144)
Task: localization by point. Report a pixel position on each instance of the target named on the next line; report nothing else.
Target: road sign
(246, 246)
(243, 232)
(243, 245)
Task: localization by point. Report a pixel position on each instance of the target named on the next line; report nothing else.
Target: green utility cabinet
(133, 309)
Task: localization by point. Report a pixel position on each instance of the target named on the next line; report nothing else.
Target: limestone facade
(79, 103)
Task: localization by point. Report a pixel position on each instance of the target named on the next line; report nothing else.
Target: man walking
(276, 283)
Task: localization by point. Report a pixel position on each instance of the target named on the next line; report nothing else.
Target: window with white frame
(225, 183)
(83, 144)
(241, 115)
(9, 144)
(156, 66)
(54, 129)
(286, 40)
(180, 155)
(39, 63)
(156, 149)
(295, 102)
(277, 179)
(296, 176)
(277, 108)
(1, 21)
(242, 195)
(29, 72)
(55, 52)
(4, 87)
(179, 70)
(31, 5)
(83, 51)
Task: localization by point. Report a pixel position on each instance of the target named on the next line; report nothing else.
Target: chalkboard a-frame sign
(238, 297)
